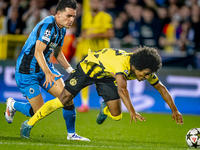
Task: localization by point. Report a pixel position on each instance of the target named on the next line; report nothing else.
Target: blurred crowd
(169, 25)
(20, 16)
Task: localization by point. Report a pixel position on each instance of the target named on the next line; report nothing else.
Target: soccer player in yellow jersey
(97, 28)
(109, 69)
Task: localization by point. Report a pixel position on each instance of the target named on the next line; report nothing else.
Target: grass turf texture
(157, 132)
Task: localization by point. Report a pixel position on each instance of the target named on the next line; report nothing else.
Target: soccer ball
(193, 138)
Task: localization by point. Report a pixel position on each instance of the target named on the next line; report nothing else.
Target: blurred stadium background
(170, 26)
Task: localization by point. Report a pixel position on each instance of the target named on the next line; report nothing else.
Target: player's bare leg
(36, 102)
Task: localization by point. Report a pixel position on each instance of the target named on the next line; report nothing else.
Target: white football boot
(10, 111)
(76, 137)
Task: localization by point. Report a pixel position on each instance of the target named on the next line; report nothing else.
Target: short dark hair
(146, 58)
(66, 3)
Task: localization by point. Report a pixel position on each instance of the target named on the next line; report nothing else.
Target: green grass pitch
(157, 132)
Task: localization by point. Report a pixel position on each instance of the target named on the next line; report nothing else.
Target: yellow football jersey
(99, 23)
(109, 62)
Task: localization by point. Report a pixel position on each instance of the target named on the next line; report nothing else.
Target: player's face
(142, 75)
(94, 4)
(66, 18)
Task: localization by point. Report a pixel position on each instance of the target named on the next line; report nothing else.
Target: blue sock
(24, 108)
(70, 118)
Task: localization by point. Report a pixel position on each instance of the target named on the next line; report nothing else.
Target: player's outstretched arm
(63, 61)
(124, 95)
(39, 49)
(176, 115)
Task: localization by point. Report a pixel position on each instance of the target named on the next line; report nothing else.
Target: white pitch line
(61, 145)
(67, 145)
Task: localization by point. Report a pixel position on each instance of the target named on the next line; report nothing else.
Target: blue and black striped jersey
(46, 31)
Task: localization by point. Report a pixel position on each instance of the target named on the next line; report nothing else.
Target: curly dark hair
(146, 58)
(66, 3)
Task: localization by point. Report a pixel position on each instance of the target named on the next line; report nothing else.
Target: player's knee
(117, 118)
(65, 97)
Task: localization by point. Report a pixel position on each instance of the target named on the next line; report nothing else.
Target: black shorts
(106, 87)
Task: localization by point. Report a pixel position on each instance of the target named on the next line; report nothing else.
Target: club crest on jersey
(31, 90)
(73, 82)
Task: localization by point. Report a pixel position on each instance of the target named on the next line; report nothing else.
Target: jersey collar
(56, 23)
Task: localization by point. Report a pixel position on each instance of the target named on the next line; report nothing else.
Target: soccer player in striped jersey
(109, 70)
(33, 69)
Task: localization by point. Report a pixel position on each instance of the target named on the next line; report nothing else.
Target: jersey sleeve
(153, 79)
(108, 21)
(123, 72)
(120, 67)
(120, 64)
(45, 33)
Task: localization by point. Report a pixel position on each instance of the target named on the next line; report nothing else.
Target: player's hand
(135, 116)
(178, 117)
(50, 78)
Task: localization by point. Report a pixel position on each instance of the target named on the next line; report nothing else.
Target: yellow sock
(85, 95)
(107, 112)
(45, 110)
